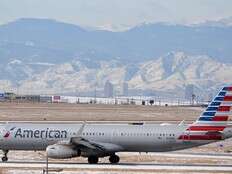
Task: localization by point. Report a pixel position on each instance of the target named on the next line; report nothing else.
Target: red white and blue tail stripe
(213, 120)
(218, 110)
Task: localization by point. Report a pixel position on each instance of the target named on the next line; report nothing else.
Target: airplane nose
(3, 133)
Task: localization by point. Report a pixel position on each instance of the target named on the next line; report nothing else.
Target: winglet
(182, 122)
(81, 129)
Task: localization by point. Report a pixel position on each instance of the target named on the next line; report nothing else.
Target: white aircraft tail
(213, 120)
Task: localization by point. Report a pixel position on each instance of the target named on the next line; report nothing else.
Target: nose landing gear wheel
(114, 159)
(5, 158)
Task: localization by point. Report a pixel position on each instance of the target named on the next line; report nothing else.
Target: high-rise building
(125, 89)
(189, 92)
(108, 89)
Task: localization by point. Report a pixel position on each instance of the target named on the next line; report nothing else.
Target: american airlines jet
(100, 140)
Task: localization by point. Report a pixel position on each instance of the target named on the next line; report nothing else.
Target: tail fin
(212, 122)
(215, 117)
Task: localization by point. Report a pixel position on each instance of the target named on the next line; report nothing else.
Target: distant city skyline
(116, 13)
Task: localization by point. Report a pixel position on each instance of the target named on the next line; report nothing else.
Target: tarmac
(36, 166)
(179, 167)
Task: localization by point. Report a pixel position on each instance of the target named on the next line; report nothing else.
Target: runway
(67, 167)
(132, 167)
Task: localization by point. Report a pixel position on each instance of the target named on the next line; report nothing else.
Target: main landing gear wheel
(5, 158)
(93, 160)
(114, 159)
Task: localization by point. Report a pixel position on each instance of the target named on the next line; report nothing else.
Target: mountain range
(168, 74)
(44, 56)
(43, 40)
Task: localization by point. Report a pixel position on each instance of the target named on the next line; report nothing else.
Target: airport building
(45, 99)
(2, 96)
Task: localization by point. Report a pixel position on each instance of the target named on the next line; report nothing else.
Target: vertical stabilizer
(213, 121)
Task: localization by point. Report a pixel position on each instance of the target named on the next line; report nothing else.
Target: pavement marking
(110, 167)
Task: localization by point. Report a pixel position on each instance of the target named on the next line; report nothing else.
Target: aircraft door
(114, 136)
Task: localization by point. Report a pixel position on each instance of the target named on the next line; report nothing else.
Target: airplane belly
(25, 144)
(150, 147)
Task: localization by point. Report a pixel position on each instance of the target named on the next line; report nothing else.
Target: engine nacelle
(58, 151)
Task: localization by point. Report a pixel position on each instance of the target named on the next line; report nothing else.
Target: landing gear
(5, 158)
(114, 159)
(93, 160)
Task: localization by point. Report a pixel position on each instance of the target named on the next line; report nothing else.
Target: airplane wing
(80, 142)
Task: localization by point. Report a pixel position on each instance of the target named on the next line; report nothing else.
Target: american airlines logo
(9, 132)
(47, 133)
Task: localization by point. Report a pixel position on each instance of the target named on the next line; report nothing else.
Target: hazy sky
(116, 12)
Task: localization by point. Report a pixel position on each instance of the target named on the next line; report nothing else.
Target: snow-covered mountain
(224, 22)
(169, 73)
(45, 40)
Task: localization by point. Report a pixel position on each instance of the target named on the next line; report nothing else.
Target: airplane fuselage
(131, 138)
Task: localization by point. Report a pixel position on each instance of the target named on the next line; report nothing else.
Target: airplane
(94, 141)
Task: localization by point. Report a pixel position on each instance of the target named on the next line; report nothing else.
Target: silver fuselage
(131, 138)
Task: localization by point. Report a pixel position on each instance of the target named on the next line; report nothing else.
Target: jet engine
(58, 151)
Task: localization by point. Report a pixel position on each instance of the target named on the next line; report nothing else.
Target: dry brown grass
(91, 112)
